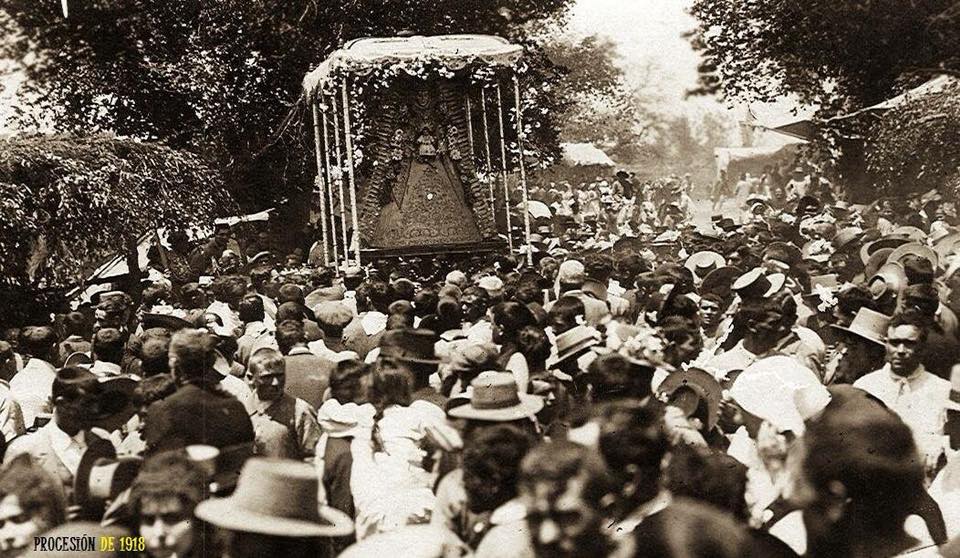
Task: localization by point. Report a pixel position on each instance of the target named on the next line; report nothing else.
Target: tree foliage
(916, 147)
(221, 78)
(67, 202)
(833, 55)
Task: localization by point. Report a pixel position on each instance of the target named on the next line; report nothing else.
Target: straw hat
(494, 397)
(573, 341)
(912, 233)
(276, 497)
(889, 241)
(702, 384)
(757, 284)
(917, 249)
(703, 262)
(889, 278)
(868, 324)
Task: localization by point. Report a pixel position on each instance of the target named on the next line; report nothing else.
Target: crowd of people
(779, 385)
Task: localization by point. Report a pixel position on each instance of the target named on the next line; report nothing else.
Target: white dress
(390, 487)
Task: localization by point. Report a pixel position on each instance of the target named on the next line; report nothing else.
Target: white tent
(584, 155)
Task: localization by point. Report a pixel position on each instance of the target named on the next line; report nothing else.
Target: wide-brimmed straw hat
(913, 233)
(703, 262)
(868, 324)
(917, 249)
(756, 283)
(494, 397)
(890, 278)
(276, 497)
(889, 241)
(573, 341)
(698, 382)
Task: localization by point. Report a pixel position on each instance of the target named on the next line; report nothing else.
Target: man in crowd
(906, 387)
(531, 409)
(285, 426)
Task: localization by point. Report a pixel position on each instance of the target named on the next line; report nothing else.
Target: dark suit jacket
(356, 339)
(308, 376)
(197, 415)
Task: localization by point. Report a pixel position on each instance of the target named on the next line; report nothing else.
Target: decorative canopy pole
(339, 179)
(348, 136)
(486, 145)
(333, 217)
(523, 171)
(470, 126)
(503, 164)
(321, 183)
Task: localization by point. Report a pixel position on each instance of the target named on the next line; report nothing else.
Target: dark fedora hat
(101, 477)
(167, 321)
(409, 345)
(720, 280)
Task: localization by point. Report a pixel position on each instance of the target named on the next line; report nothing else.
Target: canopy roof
(453, 52)
(584, 155)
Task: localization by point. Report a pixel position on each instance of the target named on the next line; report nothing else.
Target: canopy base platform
(436, 250)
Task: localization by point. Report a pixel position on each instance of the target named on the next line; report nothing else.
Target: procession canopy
(417, 185)
(410, 54)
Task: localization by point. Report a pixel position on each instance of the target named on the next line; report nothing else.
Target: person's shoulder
(511, 539)
(28, 443)
(939, 383)
(299, 406)
(869, 379)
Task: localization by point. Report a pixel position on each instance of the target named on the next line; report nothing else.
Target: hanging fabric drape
(503, 164)
(321, 183)
(330, 198)
(523, 172)
(348, 136)
(343, 203)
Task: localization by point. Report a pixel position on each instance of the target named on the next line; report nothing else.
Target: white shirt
(68, 448)
(236, 387)
(920, 399)
(105, 369)
(32, 388)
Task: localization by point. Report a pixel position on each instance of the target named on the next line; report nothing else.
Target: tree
(67, 202)
(619, 116)
(916, 147)
(220, 78)
(832, 55)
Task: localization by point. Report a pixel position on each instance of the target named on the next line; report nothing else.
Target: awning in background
(584, 155)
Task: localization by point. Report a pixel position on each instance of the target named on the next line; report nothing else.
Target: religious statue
(427, 144)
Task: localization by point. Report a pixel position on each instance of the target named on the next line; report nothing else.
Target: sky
(646, 31)
(649, 38)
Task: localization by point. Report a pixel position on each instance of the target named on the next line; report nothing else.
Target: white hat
(769, 389)
(491, 283)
